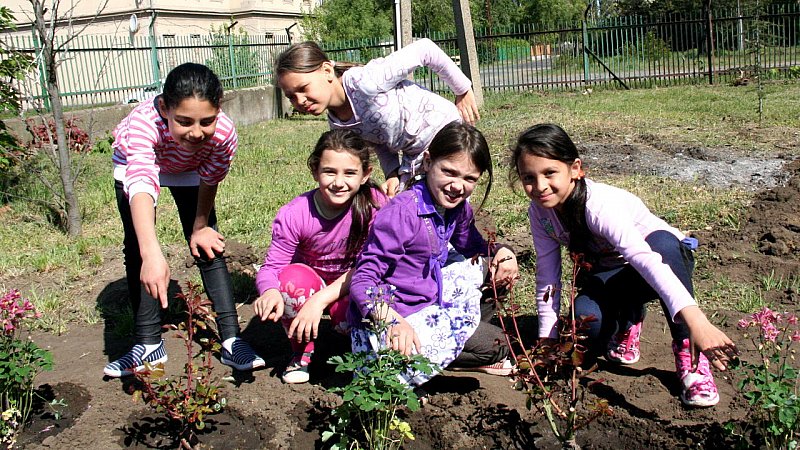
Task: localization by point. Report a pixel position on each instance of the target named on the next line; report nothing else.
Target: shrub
(45, 135)
(771, 384)
(187, 399)
(21, 360)
(368, 414)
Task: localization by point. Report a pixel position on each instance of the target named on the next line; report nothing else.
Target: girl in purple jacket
(635, 258)
(436, 307)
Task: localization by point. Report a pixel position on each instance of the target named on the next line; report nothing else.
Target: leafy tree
(338, 20)
(246, 61)
(555, 11)
(13, 67)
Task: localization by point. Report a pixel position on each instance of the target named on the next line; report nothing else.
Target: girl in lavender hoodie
(378, 102)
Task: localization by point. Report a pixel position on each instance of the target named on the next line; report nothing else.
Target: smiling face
(549, 182)
(312, 92)
(340, 175)
(452, 179)
(192, 123)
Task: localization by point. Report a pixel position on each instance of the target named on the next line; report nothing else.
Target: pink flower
(769, 331)
(796, 336)
(743, 323)
(791, 319)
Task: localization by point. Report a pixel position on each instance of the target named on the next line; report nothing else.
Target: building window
(195, 36)
(168, 36)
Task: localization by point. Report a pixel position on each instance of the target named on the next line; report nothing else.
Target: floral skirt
(442, 328)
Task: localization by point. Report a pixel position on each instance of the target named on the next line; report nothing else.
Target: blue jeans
(213, 272)
(618, 298)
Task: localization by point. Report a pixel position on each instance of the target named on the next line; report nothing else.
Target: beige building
(125, 48)
(270, 18)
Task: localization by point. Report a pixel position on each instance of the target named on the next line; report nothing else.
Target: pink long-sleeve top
(619, 222)
(394, 113)
(146, 156)
(301, 235)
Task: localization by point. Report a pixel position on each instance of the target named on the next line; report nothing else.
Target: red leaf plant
(550, 372)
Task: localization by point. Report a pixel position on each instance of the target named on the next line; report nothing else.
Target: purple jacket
(407, 247)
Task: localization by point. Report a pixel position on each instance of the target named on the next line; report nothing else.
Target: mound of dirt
(768, 241)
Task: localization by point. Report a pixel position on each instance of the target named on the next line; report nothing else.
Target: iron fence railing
(619, 51)
(97, 70)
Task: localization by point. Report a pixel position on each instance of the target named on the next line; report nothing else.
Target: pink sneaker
(697, 388)
(624, 347)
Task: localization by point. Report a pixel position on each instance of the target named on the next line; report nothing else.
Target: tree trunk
(71, 207)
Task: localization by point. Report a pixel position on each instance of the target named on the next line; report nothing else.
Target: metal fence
(725, 46)
(637, 51)
(98, 70)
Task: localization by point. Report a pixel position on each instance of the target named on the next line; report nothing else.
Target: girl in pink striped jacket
(182, 140)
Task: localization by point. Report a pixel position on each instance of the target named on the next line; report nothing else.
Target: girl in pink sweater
(635, 258)
(316, 239)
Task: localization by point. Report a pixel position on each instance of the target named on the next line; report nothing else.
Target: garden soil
(466, 410)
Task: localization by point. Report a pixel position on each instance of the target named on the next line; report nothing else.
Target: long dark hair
(552, 142)
(306, 57)
(363, 204)
(191, 80)
(458, 137)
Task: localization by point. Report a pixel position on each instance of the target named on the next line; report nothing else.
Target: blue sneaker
(133, 361)
(242, 356)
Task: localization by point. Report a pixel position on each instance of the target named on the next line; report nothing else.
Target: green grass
(269, 170)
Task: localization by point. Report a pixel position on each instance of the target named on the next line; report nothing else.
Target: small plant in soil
(21, 360)
(369, 416)
(550, 373)
(189, 398)
(771, 384)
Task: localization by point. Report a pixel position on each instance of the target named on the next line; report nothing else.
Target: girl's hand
(305, 325)
(504, 268)
(707, 338)
(402, 337)
(155, 277)
(468, 107)
(208, 240)
(269, 306)
(389, 187)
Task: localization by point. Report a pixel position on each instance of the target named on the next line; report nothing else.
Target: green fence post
(232, 59)
(42, 69)
(154, 53)
(585, 37)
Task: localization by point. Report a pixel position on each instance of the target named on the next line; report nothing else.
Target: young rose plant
(21, 360)
(368, 416)
(770, 384)
(550, 373)
(194, 394)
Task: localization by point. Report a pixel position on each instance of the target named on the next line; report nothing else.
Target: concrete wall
(245, 107)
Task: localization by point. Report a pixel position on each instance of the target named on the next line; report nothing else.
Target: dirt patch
(227, 429)
(55, 409)
(466, 411)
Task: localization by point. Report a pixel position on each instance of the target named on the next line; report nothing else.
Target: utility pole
(405, 23)
(466, 46)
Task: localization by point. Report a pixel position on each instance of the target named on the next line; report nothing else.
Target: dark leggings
(618, 298)
(214, 272)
